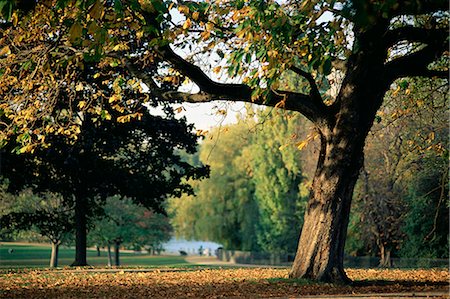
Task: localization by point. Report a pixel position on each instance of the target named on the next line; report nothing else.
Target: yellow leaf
(183, 9)
(25, 149)
(431, 136)
(205, 35)
(396, 91)
(241, 33)
(282, 147)
(114, 98)
(5, 51)
(121, 47)
(79, 87)
(179, 109)
(82, 104)
(217, 69)
(96, 75)
(187, 24)
(209, 26)
(195, 15)
(15, 19)
(301, 145)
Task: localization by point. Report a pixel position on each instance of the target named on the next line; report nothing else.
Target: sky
(205, 115)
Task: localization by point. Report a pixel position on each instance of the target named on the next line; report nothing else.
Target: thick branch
(414, 34)
(234, 92)
(418, 7)
(285, 100)
(308, 105)
(416, 64)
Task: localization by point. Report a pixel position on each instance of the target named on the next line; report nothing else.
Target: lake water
(174, 246)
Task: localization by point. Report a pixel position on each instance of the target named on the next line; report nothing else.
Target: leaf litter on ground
(211, 283)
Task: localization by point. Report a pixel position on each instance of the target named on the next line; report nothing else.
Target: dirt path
(213, 261)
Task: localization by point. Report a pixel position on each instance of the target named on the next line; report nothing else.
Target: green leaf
(326, 67)
(159, 6)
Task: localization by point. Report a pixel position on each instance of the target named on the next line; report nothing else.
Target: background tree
(43, 213)
(399, 151)
(127, 224)
(252, 196)
(135, 159)
(223, 209)
(276, 175)
(375, 41)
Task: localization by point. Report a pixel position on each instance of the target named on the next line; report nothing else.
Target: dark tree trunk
(116, 253)
(320, 252)
(54, 256)
(80, 232)
(98, 250)
(109, 255)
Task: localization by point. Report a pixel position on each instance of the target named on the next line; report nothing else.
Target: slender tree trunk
(109, 255)
(80, 232)
(385, 257)
(54, 256)
(98, 250)
(116, 253)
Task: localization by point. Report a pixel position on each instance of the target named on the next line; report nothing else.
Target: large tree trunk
(320, 252)
(80, 232)
(54, 256)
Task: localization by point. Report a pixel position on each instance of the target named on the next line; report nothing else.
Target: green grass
(38, 256)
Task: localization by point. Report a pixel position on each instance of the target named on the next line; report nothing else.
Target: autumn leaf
(179, 109)
(79, 87)
(187, 24)
(5, 51)
(82, 104)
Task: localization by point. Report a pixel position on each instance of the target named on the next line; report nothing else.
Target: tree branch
(231, 91)
(285, 100)
(418, 7)
(414, 34)
(314, 93)
(308, 105)
(416, 64)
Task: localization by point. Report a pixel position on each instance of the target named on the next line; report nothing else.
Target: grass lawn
(38, 256)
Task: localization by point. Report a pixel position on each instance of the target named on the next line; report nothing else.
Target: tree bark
(116, 253)
(80, 232)
(98, 250)
(54, 256)
(320, 252)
